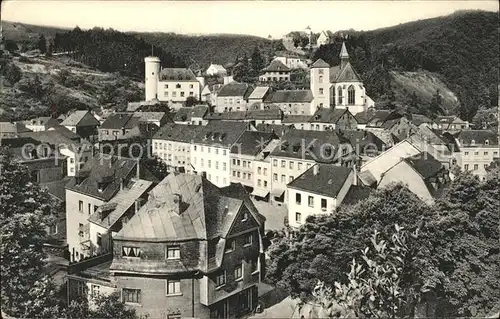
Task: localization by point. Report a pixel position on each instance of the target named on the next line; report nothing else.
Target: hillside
(207, 49)
(45, 85)
(17, 31)
(460, 49)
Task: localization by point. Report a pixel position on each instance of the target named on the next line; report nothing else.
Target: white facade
(174, 153)
(216, 69)
(356, 102)
(322, 39)
(285, 170)
(178, 91)
(320, 86)
(151, 74)
(76, 157)
(292, 62)
(214, 161)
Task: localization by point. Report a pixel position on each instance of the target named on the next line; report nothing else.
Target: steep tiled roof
(290, 119)
(185, 114)
(119, 120)
(327, 115)
(356, 194)
(272, 114)
(251, 142)
(234, 89)
(348, 74)
(418, 119)
(276, 66)
(465, 137)
(278, 129)
(57, 188)
(343, 51)
(220, 133)
(364, 141)
(320, 63)
(66, 132)
(425, 164)
(177, 74)
(80, 118)
(178, 132)
(292, 96)
(142, 129)
(327, 182)
(309, 145)
(449, 119)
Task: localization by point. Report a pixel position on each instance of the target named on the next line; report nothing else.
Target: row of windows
(231, 244)
(171, 252)
(351, 95)
(484, 153)
(476, 166)
(224, 180)
(221, 278)
(245, 175)
(259, 183)
(209, 164)
(81, 207)
(230, 101)
(290, 164)
(114, 132)
(259, 171)
(283, 178)
(161, 146)
(174, 94)
(237, 162)
(275, 78)
(172, 288)
(310, 201)
(209, 150)
(178, 86)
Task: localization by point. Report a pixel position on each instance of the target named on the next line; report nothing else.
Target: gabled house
(451, 124)
(276, 71)
(293, 102)
(11, 130)
(41, 123)
(331, 119)
(82, 123)
(233, 97)
(191, 115)
(216, 70)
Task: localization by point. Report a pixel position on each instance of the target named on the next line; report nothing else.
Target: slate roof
(234, 89)
(177, 132)
(56, 138)
(276, 66)
(65, 132)
(449, 120)
(119, 121)
(57, 188)
(425, 164)
(12, 128)
(218, 133)
(259, 92)
(290, 119)
(252, 142)
(142, 129)
(46, 121)
(102, 167)
(206, 211)
(418, 119)
(343, 51)
(327, 182)
(328, 115)
(465, 137)
(320, 63)
(356, 194)
(177, 75)
(361, 139)
(80, 118)
(293, 142)
(151, 116)
(292, 96)
(185, 114)
(348, 74)
(271, 114)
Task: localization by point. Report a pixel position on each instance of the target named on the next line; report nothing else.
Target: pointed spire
(343, 51)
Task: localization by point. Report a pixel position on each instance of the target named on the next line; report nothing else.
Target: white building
(216, 69)
(323, 38)
(319, 190)
(293, 62)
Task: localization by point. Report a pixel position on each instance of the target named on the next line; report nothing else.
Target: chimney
(138, 204)
(121, 183)
(355, 170)
(138, 170)
(177, 200)
(316, 169)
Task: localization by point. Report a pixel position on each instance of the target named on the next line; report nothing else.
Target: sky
(261, 18)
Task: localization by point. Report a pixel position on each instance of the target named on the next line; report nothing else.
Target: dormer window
(134, 252)
(245, 217)
(487, 142)
(472, 142)
(178, 86)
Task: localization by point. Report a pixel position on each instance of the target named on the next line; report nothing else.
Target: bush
(13, 74)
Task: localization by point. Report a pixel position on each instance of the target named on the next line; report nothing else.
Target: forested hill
(462, 49)
(215, 48)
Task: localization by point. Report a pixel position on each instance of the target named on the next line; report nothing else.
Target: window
(238, 162)
(80, 206)
(234, 173)
(194, 148)
(221, 279)
(298, 218)
(339, 94)
(310, 201)
(259, 170)
(53, 229)
(323, 204)
(234, 161)
(290, 179)
(178, 86)
(72, 160)
(224, 152)
(89, 208)
(466, 167)
(216, 164)
(173, 287)
(224, 167)
(321, 80)
(466, 153)
(99, 239)
(283, 178)
(476, 167)
(291, 165)
(275, 163)
(238, 272)
(94, 290)
(230, 246)
(351, 95)
(248, 240)
(320, 91)
(173, 252)
(209, 163)
(131, 295)
(299, 166)
(258, 182)
(283, 163)
(476, 153)
(249, 175)
(245, 164)
(244, 175)
(201, 162)
(485, 153)
(265, 171)
(265, 183)
(209, 150)
(275, 177)
(238, 174)
(190, 86)
(131, 252)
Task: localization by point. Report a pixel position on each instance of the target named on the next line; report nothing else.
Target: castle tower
(151, 77)
(344, 56)
(320, 84)
(200, 79)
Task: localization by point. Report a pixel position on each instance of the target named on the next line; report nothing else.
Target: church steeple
(344, 56)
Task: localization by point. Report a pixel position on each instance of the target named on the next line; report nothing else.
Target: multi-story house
(96, 183)
(299, 122)
(319, 190)
(262, 171)
(41, 123)
(243, 155)
(323, 38)
(331, 119)
(82, 123)
(192, 250)
(476, 150)
(77, 153)
(191, 115)
(172, 143)
(253, 117)
(293, 102)
(451, 124)
(121, 126)
(258, 96)
(299, 150)
(292, 61)
(11, 130)
(210, 150)
(276, 71)
(216, 70)
(233, 97)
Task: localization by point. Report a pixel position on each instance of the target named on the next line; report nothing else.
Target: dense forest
(461, 48)
(110, 50)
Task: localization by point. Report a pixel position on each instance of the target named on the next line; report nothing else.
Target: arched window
(351, 95)
(320, 79)
(339, 94)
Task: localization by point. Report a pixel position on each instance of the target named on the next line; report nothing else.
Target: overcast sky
(243, 17)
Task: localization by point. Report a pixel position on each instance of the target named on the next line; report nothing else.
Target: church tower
(151, 77)
(344, 56)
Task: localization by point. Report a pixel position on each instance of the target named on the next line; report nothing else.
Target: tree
(104, 306)
(322, 248)
(378, 285)
(257, 61)
(190, 101)
(26, 209)
(50, 48)
(436, 105)
(13, 74)
(486, 119)
(42, 44)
